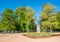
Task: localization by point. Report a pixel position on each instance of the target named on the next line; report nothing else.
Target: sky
(36, 5)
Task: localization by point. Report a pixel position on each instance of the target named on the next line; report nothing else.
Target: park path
(20, 38)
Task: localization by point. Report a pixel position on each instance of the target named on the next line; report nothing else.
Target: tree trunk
(27, 28)
(4, 31)
(51, 30)
(22, 27)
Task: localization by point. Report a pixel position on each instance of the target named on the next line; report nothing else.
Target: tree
(28, 17)
(20, 11)
(58, 19)
(48, 17)
(24, 17)
(8, 20)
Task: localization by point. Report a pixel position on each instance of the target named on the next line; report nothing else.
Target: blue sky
(35, 4)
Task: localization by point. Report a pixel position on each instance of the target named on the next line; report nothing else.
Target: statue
(38, 26)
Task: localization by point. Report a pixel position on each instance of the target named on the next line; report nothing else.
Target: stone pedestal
(38, 28)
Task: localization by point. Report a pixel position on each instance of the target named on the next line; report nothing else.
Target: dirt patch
(3, 35)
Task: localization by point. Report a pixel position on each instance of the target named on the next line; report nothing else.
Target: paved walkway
(20, 38)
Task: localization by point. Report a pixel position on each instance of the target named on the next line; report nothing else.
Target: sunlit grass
(38, 34)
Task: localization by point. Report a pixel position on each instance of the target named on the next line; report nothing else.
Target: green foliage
(48, 17)
(8, 20)
(20, 11)
(58, 19)
(22, 18)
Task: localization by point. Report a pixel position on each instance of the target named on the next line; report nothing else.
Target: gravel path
(20, 38)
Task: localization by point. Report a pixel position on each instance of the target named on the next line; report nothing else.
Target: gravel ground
(20, 38)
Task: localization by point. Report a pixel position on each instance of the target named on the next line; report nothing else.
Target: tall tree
(48, 17)
(20, 11)
(8, 20)
(24, 17)
(28, 17)
(58, 19)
